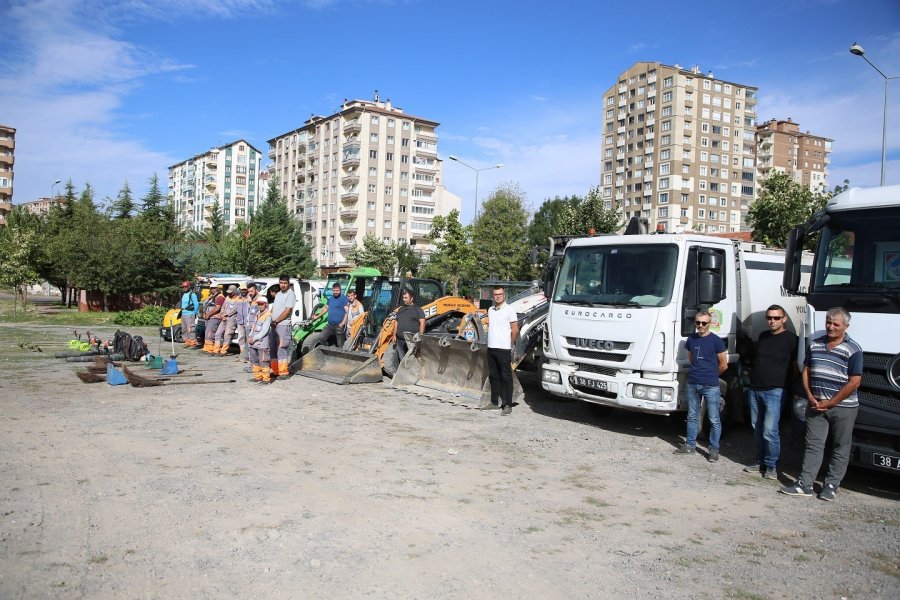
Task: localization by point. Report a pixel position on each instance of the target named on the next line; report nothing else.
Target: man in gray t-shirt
(410, 318)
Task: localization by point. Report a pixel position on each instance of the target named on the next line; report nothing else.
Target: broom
(142, 382)
(87, 377)
(135, 379)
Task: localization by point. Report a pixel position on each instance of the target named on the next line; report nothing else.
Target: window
(663, 212)
(664, 154)
(389, 156)
(387, 207)
(373, 153)
(667, 111)
(666, 126)
(664, 183)
(374, 120)
(664, 198)
(701, 213)
(388, 190)
(373, 137)
(370, 222)
(664, 168)
(684, 199)
(668, 82)
(373, 171)
(387, 223)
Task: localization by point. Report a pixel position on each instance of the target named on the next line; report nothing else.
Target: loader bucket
(340, 366)
(450, 369)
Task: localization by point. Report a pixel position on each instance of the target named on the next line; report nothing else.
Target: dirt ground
(305, 489)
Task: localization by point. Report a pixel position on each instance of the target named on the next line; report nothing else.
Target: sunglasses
(701, 323)
(768, 318)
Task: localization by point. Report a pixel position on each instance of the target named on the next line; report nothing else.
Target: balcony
(648, 177)
(620, 156)
(427, 166)
(350, 179)
(426, 134)
(351, 212)
(345, 245)
(648, 191)
(650, 122)
(353, 126)
(350, 160)
(351, 195)
(272, 153)
(620, 170)
(622, 89)
(348, 229)
(651, 94)
(212, 166)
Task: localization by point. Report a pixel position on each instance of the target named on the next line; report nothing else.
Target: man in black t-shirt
(774, 363)
(410, 318)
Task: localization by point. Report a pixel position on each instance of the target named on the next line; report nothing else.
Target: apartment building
(42, 206)
(227, 175)
(781, 146)
(679, 148)
(7, 160)
(368, 168)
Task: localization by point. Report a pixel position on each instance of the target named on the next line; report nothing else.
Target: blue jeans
(765, 412)
(696, 391)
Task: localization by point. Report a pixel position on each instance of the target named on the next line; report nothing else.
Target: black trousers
(333, 331)
(500, 363)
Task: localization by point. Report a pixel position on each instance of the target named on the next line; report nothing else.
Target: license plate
(586, 382)
(886, 462)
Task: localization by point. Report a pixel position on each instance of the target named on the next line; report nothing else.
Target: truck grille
(594, 355)
(571, 341)
(608, 371)
(875, 390)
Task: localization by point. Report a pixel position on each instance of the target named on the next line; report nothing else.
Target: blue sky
(104, 91)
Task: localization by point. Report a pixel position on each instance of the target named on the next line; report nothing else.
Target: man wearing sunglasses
(708, 359)
(774, 363)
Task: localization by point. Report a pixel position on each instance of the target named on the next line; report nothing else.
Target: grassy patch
(98, 560)
(533, 529)
(655, 510)
(60, 315)
(743, 594)
(889, 565)
(658, 532)
(596, 502)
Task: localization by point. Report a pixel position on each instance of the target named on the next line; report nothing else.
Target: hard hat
(232, 289)
(243, 286)
(261, 299)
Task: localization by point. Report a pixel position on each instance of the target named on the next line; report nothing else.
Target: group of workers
(263, 327)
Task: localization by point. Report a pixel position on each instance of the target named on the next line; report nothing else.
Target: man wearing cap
(284, 303)
(213, 318)
(258, 340)
(229, 319)
(190, 304)
(243, 309)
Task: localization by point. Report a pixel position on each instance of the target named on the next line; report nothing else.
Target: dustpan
(170, 367)
(154, 362)
(115, 376)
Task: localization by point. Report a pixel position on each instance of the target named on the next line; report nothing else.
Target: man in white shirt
(503, 329)
(284, 303)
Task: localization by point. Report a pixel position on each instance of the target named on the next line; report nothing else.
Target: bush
(149, 316)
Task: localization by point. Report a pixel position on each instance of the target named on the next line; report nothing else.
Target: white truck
(857, 266)
(623, 306)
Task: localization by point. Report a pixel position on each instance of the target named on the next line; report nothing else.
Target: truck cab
(857, 267)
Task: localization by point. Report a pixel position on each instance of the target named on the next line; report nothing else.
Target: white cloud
(63, 93)
(547, 149)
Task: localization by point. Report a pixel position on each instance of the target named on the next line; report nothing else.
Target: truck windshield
(860, 249)
(339, 278)
(627, 275)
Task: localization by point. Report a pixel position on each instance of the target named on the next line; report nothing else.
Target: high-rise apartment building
(781, 146)
(368, 168)
(7, 160)
(227, 175)
(679, 148)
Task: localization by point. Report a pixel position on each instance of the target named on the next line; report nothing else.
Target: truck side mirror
(550, 276)
(709, 279)
(793, 259)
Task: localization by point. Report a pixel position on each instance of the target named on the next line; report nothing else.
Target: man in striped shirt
(832, 372)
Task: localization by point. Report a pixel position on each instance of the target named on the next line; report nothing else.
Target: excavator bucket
(340, 366)
(449, 369)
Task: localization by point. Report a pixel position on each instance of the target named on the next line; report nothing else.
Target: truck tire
(311, 342)
(179, 339)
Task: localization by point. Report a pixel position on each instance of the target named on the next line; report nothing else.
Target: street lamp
(857, 50)
(477, 171)
(55, 183)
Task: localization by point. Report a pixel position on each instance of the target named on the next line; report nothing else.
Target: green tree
(154, 206)
(407, 260)
(782, 205)
(454, 256)
(19, 252)
(552, 218)
(123, 206)
(375, 253)
(592, 212)
(500, 234)
(276, 242)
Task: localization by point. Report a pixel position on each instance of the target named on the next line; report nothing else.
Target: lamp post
(857, 50)
(477, 171)
(55, 183)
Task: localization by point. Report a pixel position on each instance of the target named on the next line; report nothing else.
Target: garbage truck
(623, 305)
(857, 267)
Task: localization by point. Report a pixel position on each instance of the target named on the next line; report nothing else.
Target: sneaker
(491, 406)
(770, 473)
(683, 449)
(713, 456)
(798, 489)
(828, 492)
(754, 468)
(248, 369)
(507, 410)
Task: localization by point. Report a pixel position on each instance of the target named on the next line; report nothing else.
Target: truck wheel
(179, 339)
(390, 361)
(311, 342)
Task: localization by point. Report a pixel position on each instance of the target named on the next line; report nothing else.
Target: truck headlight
(652, 393)
(550, 376)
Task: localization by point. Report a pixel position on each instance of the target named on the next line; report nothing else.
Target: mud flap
(340, 366)
(449, 369)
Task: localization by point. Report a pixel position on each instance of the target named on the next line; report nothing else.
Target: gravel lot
(304, 489)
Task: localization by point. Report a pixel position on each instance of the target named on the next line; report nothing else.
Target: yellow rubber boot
(207, 345)
(214, 349)
(223, 350)
(257, 372)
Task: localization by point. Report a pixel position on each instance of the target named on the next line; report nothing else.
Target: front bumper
(618, 391)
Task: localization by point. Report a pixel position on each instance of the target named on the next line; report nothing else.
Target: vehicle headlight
(652, 393)
(550, 376)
